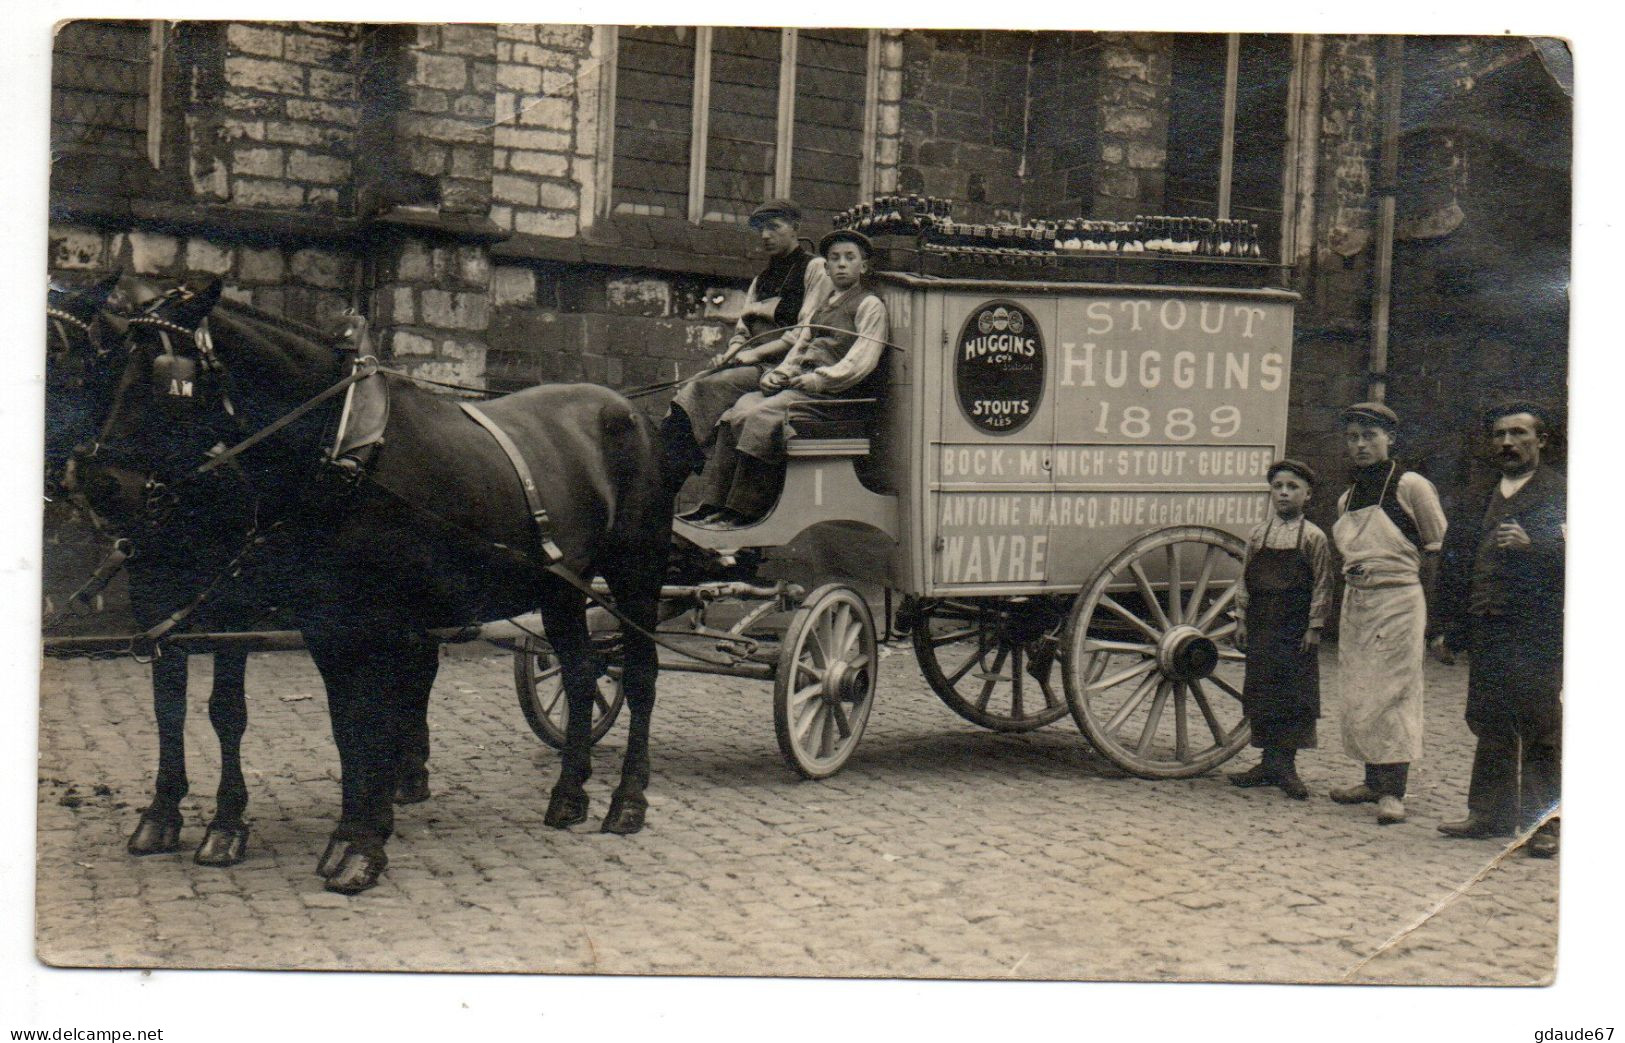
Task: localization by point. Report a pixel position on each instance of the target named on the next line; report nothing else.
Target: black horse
(175, 552)
(435, 531)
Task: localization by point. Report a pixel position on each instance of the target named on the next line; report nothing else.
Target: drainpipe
(1388, 186)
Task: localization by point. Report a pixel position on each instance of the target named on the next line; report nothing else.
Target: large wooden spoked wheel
(540, 685)
(992, 660)
(1152, 674)
(825, 685)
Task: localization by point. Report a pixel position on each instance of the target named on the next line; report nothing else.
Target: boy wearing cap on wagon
(1390, 528)
(836, 354)
(1281, 608)
(782, 296)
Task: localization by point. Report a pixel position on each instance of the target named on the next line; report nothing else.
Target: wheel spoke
(1232, 655)
(1118, 678)
(993, 678)
(1111, 605)
(1016, 709)
(1152, 719)
(1094, 644)
(1207, 712)
(558, 695)
(804, 727)
(1182, 739)
(955, 677)
(1199, 592)
(826, 737)
(842, 725)
(802, 695)
(603, 704)
(1220, 603)
(950, 638)
(1148, 594)
(1224, 631)
(1176, 595)
(1226, 685)
(1050, 702)
(803, 665)
(1127, 709)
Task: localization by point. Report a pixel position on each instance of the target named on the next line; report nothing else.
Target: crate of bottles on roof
(922, 235)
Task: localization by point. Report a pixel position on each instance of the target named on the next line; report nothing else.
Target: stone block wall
(306, 283)
(283, 133)
(546, 134)
(963, 118)
(1135, 73)
(1063, 142)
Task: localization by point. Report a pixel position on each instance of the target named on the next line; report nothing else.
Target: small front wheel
(540, 685)
(825, 686)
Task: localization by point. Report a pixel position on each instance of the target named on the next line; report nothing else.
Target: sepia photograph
(802, 502)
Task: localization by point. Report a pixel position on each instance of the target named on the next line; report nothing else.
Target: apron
(1281, 694)
(1382, 637)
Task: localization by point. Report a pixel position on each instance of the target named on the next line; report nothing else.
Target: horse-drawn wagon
(1050, 493)
(1046, 495)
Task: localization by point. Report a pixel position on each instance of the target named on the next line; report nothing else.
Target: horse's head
(165, 409)
(204, 374)
(82, 366)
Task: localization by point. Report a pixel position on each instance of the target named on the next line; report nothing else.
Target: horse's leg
(159, 830)
(366, 729)
(417, 671)
(225, 843)
(641, 664)
(564, 618)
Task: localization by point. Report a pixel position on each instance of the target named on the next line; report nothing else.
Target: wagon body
(1033, 429)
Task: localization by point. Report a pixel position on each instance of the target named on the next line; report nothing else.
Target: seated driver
(834, 355)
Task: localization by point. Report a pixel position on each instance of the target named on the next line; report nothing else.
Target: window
(710, 121)
(106, 90)
(1222, 83)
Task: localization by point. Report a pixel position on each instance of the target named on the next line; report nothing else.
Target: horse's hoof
(332, 856)
(565, 809)
(626, 814)
(358, 871)
(412, 789)
(155, 836)
(222, 846)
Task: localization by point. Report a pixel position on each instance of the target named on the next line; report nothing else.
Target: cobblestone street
(940, 851)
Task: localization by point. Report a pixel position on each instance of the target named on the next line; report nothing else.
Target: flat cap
(783, 209)
(1372, 413)
(1297, 467)
(845, 235)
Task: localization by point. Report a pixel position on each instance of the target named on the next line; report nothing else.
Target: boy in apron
(1389, 530)
(1280, 611)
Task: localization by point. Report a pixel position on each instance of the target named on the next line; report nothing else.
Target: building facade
(519, 203)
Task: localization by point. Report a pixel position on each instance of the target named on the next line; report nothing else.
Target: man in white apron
(1389, 530)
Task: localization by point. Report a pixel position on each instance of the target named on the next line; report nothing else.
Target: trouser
(1387, 780)
(1280, 759)
(1500, 792)
(738, 481)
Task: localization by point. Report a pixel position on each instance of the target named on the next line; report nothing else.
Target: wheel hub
(845, 684)
(1187, 654)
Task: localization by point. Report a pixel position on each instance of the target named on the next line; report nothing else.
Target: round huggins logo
(999, 367)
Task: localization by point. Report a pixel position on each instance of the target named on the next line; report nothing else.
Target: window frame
(700, 124)
(1294, 134)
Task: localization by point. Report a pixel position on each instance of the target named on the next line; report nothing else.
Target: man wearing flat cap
(1501, 599)
(780, 297)
(1389, 530)
(835, 354)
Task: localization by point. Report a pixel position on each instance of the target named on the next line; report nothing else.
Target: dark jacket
(1479, 581)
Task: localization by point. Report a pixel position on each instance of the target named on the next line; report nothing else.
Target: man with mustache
(1502, 601)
